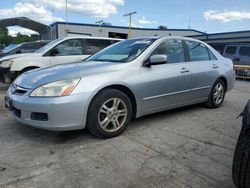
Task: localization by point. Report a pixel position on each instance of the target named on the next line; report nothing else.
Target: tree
(5, 39)
(163, 27)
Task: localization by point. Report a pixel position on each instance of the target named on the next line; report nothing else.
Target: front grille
(17, 112)
(39, 116)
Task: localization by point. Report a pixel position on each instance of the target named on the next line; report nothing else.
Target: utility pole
(100, 22)
(189, 22)
(66, 16)
(130, 22)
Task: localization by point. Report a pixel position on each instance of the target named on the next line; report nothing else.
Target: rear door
(204, 67)
(68, 51)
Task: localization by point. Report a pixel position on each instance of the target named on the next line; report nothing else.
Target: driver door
(166, 85)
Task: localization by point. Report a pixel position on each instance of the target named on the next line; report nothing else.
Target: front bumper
(63, 113)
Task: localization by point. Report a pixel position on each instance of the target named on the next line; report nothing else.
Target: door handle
(184, 70)
(214, 66)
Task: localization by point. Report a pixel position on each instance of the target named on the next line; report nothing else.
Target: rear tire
(241, 161)
(217, 94)
(109, 113)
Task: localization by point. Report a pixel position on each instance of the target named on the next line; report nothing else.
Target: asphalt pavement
(187, 147)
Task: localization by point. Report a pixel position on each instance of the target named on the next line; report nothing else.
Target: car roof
(90, 37)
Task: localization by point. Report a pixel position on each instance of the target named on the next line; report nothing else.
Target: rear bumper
(63, 113)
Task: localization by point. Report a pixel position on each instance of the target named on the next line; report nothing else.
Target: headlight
(56, 89)
(7, 64)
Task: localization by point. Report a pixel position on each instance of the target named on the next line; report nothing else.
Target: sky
(209, 16)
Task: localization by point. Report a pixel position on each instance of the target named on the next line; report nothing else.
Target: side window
(245, 51)
(114, 41)
(29, 48)
(69, 47)
(211, 55)
(33, 46)
(173, 49)
(230, 50)
(93, 46)
(197, 51)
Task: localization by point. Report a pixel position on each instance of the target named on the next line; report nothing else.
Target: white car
(59, 51)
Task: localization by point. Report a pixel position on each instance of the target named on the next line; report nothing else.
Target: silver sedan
(127, 80)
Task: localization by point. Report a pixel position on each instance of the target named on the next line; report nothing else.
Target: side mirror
(157, 60)
(54, 52)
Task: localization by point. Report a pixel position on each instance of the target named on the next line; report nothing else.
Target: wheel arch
(224, 80)
(28, 68)
(125, 90)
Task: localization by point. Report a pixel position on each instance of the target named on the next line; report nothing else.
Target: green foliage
(6, 39)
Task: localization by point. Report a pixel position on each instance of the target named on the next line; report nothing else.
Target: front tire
(217, 94)
(109, 113)
(6, 78)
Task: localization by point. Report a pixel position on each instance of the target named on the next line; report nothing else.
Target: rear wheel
(109, 113)
(217, 94)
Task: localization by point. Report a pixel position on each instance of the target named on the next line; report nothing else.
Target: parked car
(132, 78)
(27, 47)
(240, 54)
(59, 51)
(241, 161)
(13, 51)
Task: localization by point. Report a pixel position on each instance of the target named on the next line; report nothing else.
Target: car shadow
(62, 137)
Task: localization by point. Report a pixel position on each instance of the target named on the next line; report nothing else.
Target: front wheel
(109, 113)
(217, 94)
(6, 78)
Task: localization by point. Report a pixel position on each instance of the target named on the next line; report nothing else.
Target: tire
(6, 79)
(104, 120)
(212, 101)
(241, 161)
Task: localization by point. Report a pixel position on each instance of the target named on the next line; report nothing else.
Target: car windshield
(124, 51)
(9, 48)
(47, 46)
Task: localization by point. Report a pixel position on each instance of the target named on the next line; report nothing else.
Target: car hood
(8, 57)
(37, 77)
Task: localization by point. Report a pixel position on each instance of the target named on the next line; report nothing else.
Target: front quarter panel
(126, 75)
(22, 63)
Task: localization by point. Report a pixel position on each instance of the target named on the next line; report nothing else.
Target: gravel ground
(186, 147)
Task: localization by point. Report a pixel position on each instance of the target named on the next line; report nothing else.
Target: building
(62, 29)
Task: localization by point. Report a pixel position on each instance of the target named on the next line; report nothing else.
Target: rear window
(93, 46)
(245, 51)
(231, 50)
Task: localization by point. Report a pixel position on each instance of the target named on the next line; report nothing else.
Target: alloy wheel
(218, 94)
(112, 114)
